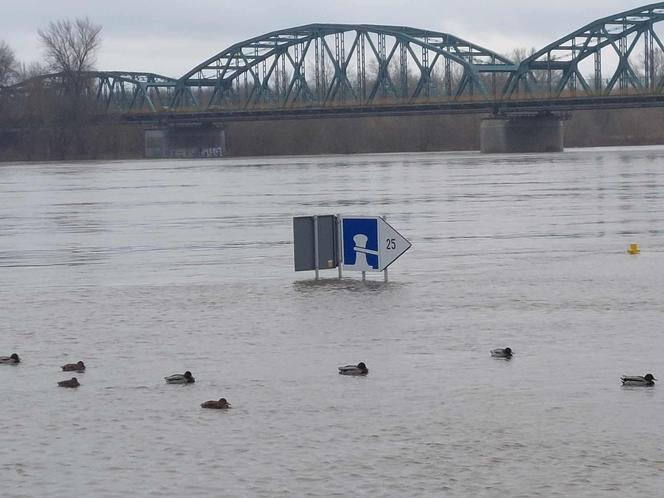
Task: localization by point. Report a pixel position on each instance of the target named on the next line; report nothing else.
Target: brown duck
(219, 405)
(74, 367)
(73, 382)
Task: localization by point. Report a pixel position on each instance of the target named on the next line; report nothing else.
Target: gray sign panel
(304, 237)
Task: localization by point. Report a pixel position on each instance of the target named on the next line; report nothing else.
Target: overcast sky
(172, 36)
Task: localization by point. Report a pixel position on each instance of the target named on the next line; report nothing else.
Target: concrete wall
(185, 142)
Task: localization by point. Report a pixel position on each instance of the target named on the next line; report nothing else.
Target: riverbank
(62, 142)
(428, 133)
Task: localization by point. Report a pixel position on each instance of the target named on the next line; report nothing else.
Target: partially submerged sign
(315, 242)
(354, 243)
(370, 244)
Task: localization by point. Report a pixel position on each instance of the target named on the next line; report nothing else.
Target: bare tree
(26, 71)
(540, 81)
(656, 72)
(521, 53)
(8, 65)
(71, 46)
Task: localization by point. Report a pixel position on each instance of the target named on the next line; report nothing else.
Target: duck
(74, 367)
(10, 360)
(73, 382)
(359, 369)
(636, 380)
(185, 378)
(222, 404)
(502, 353)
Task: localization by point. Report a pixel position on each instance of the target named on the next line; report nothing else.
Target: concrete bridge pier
(192, 141)
(535, 133)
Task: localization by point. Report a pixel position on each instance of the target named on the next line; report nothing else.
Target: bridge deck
(502, 107)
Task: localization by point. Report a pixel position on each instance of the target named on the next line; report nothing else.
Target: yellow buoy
(634, 249)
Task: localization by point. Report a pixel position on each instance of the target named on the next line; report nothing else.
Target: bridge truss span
(621, 54)
(342, 64)
(368, 68)
(107, 91)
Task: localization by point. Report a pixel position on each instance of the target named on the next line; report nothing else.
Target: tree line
(53, 123)
(70, 47)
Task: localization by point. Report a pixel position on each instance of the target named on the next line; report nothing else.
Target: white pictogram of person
(361, 251)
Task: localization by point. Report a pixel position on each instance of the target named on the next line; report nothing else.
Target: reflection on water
(143, 269)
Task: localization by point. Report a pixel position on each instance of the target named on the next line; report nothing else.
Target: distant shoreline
(431, 133)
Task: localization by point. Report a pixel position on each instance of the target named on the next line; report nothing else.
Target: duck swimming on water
(10, 360)
(359, 369)
(73, 382)
(185, 378)
(637, 380)
(505, 353)
(222, 404)
(74, 367)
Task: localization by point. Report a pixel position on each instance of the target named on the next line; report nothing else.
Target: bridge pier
(507, 134)
(185, 142)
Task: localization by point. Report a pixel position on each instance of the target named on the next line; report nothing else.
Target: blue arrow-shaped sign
(370, 244)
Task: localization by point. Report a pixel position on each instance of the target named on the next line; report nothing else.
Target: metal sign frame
(366, 244)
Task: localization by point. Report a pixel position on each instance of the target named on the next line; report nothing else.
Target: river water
(147, 268)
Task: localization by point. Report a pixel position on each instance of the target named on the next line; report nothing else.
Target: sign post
(385, 279)
(340, 252)
(316, 248)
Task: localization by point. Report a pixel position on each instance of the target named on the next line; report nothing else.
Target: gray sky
(172, 36)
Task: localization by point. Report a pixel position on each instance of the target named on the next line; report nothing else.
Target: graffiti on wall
(211, 152)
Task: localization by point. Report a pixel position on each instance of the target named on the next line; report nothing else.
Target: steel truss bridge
(330, 68)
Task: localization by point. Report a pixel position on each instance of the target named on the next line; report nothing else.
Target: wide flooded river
(148, 268)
